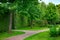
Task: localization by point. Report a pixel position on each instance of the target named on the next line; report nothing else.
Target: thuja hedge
(4, 19)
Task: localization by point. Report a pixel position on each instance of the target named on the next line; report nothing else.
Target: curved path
(27, 34)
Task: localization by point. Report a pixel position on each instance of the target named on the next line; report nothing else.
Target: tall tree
(11, 7)
(51, 14)
(33, 15)
(23, 8)
(42, 7)
(58, 12)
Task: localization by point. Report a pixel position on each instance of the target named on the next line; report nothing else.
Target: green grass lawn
(34, 28)
(42, 36)
(6, 35)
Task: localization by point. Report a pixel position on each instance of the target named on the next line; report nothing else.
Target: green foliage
(42, 13)
(53, 31)
(33, 12)
(58, 12)
(29, 12)
(51, 14)
(5, 1)
(4, 24)
(4, 19)
(11, 1)
(59, 31)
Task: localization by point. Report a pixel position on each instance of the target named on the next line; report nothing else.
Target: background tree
(58, 12)
(42, 7)
(33, 15)
(51, 14)
(24, 6)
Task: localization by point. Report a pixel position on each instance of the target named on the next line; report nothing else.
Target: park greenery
(6, 35)
(42, 36)
(17, 14)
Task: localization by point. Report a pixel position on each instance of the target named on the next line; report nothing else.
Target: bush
(53, 31)
(58, 31)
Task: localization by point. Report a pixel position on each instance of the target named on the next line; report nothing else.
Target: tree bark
(13, 26)
(10, 23)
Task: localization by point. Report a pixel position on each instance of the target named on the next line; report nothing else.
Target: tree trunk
(13, 27)
(10, 23)
(30, 22)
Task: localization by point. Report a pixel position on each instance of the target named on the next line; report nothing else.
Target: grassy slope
(5, 35)
(42, 36)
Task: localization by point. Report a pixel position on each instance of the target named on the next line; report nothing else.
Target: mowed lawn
(42, 36)
(6, 35)
(34, 28)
